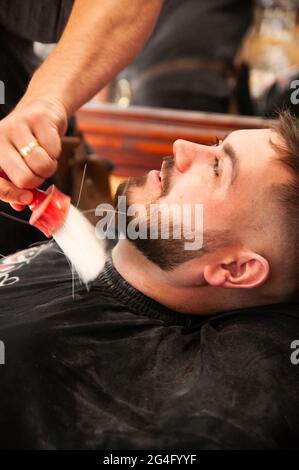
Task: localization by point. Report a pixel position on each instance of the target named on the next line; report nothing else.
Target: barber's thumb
(13, 195)
(18, 207)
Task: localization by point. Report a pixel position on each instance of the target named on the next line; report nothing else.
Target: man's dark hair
(287, 128)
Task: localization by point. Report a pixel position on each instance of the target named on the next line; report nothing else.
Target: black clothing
(210, 30)
(42, 21)
(17, 65)
(113, 369)
(21, 23)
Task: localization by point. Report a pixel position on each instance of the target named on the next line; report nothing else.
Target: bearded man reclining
(170, 347)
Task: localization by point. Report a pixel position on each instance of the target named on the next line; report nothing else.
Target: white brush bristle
(76, 237)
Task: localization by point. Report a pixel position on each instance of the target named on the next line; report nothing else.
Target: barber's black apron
(21, 23)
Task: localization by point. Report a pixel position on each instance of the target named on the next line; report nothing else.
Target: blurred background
(230, 58)
(223, 56)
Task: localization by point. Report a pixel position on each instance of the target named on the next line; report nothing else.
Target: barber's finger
(48, 137)
(16, 169)
(37, 159)
(18, 207)
(10, 193)
(40, 163)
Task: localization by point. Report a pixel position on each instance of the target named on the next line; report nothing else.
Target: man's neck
(159, 285)
(179, 292)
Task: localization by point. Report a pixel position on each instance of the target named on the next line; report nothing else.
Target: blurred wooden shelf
(136, 138)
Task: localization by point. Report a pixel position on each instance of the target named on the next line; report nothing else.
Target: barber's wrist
(48, 105)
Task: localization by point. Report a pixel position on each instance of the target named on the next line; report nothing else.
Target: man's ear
(247, 271)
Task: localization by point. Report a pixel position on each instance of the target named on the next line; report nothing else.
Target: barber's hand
(33, 129)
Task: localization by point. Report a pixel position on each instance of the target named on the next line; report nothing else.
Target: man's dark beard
(166, 253)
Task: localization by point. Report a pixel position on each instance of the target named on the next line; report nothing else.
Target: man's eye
(216, 166)
(217, 142)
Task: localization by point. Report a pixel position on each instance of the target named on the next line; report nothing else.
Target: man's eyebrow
(231, 154)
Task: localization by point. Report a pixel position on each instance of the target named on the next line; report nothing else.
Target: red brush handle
(49, 208)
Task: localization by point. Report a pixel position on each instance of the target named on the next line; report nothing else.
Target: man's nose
(185, 153)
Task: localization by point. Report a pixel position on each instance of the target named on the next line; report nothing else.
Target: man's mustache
(166, 173)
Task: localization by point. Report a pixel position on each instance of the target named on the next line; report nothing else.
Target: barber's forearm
(101, 38)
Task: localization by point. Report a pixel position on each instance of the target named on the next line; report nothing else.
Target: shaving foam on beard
(54, 215)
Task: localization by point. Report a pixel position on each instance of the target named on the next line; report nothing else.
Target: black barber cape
(109, 368)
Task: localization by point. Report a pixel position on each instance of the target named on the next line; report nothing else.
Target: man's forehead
(257, 143)
(263, 135)
(257, 151)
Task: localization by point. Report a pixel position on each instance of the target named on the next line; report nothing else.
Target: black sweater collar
(136, 301)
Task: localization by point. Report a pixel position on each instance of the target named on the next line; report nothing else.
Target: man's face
(229, 179)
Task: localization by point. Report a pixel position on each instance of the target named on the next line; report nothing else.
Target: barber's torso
(41, 21)
(21, 23)
(199, 28)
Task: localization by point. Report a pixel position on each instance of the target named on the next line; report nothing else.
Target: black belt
(183, 64)
(125, 86)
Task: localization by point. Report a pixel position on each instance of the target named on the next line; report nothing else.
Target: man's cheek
(216, 216)
(193, 193)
